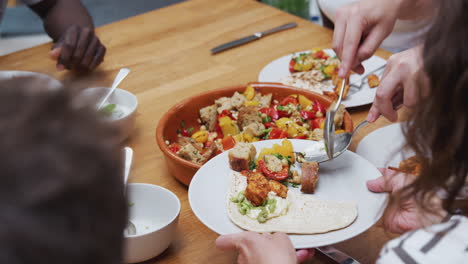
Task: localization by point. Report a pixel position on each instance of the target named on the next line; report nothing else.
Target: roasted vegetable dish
(248, 117)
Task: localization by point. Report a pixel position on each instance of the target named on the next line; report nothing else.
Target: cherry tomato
(228, 142)
(291, 65)
(226, 113)
(218, 131)
(318, 107)
(271, 112)
(277, 133)
(307, 115)
(316, 122)
(270, 124)
(289, 100)
(174, 147)
(277, 176)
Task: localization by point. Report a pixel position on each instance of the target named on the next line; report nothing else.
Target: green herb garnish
(182, 124)
(252, 165)
(108, 109)
(295, 185)
(280, 107)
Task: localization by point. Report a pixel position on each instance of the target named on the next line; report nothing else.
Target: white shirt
(406, 33)
(442, 243)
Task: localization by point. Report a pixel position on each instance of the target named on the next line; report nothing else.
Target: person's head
(438, 127)
(61, 191)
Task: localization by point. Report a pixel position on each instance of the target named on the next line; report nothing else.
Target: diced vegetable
(249, 93)
(304, 101)
(200, 136)
(251, 103)
(228, 143)
(285, 149)
(277, 133)
(174, 147)
(278, 176)
(228, 127)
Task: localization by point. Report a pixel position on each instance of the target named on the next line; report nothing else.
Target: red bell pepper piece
(218, 131)
(277, 133)
(174, 147)
(316, 122)
(277, 176)
(270, 124)
(228, 142)
(307, 115)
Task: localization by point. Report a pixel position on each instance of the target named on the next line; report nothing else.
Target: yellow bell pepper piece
(228, 127)
(339, 131)
(284, 123)
(200, 136)
(285, 149)
(329, 70)
(304, 102)
(249, 93)
(251, 103)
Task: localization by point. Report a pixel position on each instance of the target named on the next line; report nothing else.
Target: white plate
(384, 146)
(52, 83)
(279, 68)
(343, 179)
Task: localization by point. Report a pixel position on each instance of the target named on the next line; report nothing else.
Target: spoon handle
(118, 79)
(363, 123)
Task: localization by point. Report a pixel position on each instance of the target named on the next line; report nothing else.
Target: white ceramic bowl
(123, 98)
(154, 211)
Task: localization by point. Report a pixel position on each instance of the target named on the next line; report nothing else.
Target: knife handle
(338, 256)
(277, 29)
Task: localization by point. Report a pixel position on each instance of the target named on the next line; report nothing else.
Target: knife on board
(245, 40)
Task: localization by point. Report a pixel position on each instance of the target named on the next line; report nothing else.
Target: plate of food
(316, 70)
(202, 126)
(268, 186)
(388, 152)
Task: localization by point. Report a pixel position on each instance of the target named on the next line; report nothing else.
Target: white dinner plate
(343, 179)
(384, 146)
(279, 68)
(52, 83)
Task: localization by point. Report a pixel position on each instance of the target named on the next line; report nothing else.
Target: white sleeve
(442, 243)
(30, 2)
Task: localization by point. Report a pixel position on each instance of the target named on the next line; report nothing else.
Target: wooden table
(168, 51)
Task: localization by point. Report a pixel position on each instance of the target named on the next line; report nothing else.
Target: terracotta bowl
(188, 110)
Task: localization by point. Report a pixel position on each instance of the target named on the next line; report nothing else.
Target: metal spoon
(341, 144)
(130, 229)
(118, 79)
(329, 127)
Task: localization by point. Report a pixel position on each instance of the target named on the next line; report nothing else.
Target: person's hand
(360, 28)
(399, 84)
(255, 248)
(78, 49)
(407, 215)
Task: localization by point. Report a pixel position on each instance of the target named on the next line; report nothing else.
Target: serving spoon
(130, 229)
(118, 79)
(341, 144)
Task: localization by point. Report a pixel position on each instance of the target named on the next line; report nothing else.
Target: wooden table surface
(168, 51)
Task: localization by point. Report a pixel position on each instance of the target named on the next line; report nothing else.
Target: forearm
(59, 15)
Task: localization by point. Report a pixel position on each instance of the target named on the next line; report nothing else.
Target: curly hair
(61, 197)
(437, 126)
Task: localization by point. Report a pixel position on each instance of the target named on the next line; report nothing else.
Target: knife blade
(245, 40)
(338, 256)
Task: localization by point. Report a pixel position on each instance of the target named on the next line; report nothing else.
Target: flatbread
(306, 214)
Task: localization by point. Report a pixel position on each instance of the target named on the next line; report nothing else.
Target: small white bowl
(154, 211)
(123, 98)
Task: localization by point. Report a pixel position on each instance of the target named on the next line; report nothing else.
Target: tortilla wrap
(306, 214)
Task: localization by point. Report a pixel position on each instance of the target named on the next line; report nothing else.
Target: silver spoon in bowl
(130, 229)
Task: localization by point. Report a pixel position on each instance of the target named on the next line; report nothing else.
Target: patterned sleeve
(442, 243)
